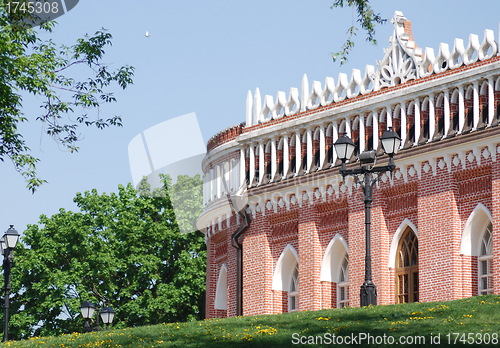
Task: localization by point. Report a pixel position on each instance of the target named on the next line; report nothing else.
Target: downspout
(236, 243)
(245, 223)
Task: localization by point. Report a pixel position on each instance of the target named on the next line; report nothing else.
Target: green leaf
(44, 69)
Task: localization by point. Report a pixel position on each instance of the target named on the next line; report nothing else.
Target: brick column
(439, 234)
(495, 197)
(257, 268)
(309, 259)
(356, 246)
(380, 245)
(211, 280)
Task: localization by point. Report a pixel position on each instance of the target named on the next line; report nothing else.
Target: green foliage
(367, 20)
(30, 66)
(122, 250)
(477, 317)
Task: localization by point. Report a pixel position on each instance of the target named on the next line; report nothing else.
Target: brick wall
(438, 205)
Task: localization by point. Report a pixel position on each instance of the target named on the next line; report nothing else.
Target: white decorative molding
(403, 61)
(295, 142)
(333, 187)
(284, 268)
(395, 240)
(473, 229)
(332, 259)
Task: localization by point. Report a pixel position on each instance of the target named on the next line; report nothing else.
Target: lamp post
(7, 244)
(107, 315)
(87, 309)
(345, 147)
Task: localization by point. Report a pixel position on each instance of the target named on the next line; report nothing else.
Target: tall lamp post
(345, 147)
(7, 244)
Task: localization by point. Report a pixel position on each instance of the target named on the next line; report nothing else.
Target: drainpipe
(245, 223)
(239, 259)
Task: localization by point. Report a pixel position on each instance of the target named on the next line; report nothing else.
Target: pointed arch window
(485, 266)
(407, 268)
(221, 289)
(343, 284)
(293, 293)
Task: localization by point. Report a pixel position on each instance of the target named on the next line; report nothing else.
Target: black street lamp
(367, 159)
(107, 315)
(87, 309)
(7, 245)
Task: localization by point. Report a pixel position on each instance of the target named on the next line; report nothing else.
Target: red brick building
(435, 221)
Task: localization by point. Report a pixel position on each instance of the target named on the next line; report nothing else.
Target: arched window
(407, 268)
(335, 269)
(439, 117)
(369, 133)
(469, 110)
(293, 292)
(303, 154)
(425, 133)
(454, 115)
(343, 284)
(292, 157)
(410, 126)
(221, 289)
(267, 164)
(285, 278)
(485, 267)
(316, 150)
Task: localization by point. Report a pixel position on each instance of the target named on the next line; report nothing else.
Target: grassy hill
(471, 322)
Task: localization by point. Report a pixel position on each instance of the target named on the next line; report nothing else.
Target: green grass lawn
(469, 322)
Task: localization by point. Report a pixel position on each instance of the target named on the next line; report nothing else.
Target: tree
(366, 18)
(30, 66)
(123, 250)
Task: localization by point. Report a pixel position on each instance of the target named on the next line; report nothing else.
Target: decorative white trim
(401, 51)
(474, 227)
(395, 240)
(403, 61)
(284, 268)
(332, 259)
(221, 289)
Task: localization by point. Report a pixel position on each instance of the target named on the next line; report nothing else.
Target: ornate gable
(401, 61)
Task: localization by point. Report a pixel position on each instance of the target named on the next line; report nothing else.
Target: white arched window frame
(474, 227)
(343, 284)
(485, 262)
(221, 289)
(335, 268)
(293, 292)
(284, 273)
(393, 250)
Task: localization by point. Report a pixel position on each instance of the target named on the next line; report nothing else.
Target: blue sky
(203, 57)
